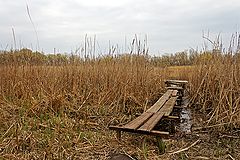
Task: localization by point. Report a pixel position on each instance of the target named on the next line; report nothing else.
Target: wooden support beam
(171, 117)
(178, 107)
(176, 82)
(175, 88)
(152, 132)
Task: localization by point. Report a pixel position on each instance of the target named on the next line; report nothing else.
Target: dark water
(185, 117)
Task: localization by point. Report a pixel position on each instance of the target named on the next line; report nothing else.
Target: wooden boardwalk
(162, 109)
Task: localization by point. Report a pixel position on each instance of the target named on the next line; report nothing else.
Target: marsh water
(185, 117)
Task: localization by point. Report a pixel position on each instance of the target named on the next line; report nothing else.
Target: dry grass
(60, 112)
(216, 91)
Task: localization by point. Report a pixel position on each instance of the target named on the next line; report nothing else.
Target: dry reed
(62, 110)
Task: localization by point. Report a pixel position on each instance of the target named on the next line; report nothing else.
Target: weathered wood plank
(174, 93)
(168, 106)
(178, 107)
(171, 83)
(171, 117)
(150, 124)
(152, 132)
(176, 81)
(161, 101)
(137, 122)
(145, 123)
(175, 88)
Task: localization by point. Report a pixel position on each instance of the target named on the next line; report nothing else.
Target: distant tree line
(29, 57)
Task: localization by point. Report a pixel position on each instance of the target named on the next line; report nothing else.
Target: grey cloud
(170, 25)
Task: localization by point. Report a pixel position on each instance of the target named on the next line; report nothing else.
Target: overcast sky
(171, 26)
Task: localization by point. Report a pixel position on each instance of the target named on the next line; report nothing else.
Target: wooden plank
(152, 132)
(159, 132)
(171, 117)
(150, 124)
(176, 81)
(175, 88)
(168, 106)
(178, 107)
(137, 122)
(174, 93)
(161, 101)
(179, 83)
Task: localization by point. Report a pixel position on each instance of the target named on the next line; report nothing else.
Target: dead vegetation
(62, 109)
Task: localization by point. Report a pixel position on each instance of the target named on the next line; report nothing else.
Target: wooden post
(161, 145)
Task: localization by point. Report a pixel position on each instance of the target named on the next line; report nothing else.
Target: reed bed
(215, 91)
(71, 103)
(61, 111)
